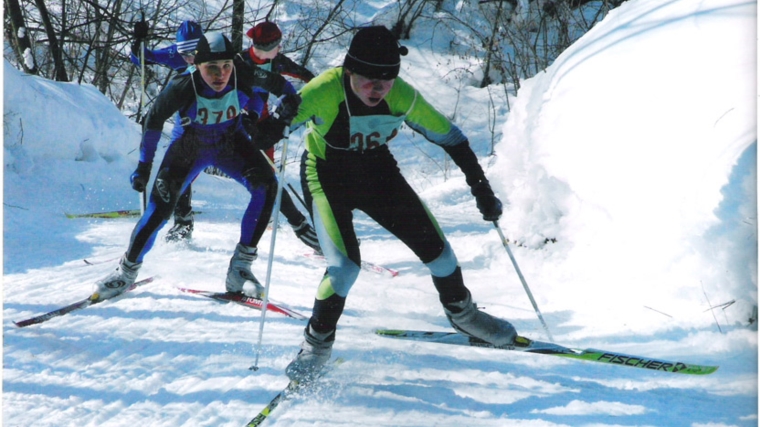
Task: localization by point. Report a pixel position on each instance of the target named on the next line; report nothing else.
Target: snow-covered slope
(628, 172)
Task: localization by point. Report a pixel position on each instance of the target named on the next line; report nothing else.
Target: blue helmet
(188, 35)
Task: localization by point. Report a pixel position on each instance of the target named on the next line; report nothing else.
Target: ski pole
(143, 195)
(142, 70)
(276, 209)
(522, 279)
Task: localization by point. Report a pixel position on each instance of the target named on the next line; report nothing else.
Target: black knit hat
(213, 46)
(375, 53)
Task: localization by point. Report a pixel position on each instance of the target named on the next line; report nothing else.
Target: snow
(634, 154)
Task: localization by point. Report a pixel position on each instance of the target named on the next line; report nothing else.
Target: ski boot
(118, 281)
(181, 230)
(240, 279)
(465, 317)
(315, 352)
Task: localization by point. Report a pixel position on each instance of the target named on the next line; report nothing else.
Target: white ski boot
(118, 281)
(465, 317)
(240, 279)
(315, 352)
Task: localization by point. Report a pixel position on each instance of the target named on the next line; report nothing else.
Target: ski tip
(699, 370)
(521, 341)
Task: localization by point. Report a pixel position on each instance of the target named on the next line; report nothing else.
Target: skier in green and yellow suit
(352, 113)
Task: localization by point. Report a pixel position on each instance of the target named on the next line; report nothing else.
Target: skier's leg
(183, 218)
(305, 184)
(409, 220)
(333, 221)
(255, 174)
(175, 174)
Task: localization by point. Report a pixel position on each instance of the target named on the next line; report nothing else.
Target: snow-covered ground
(628, 171)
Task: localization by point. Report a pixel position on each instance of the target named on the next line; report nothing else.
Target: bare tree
(501, 41)
(19, 37)
(490, 48)
(315, 36)
(238, 19)
(55, 49)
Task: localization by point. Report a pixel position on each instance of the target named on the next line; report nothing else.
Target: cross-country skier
(352, 113)
(178, 57)
(208, 131)
(264, 53)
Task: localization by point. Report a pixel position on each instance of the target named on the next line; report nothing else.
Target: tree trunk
(55, 49)
(20, 37)
(238, 18)
(489, 51)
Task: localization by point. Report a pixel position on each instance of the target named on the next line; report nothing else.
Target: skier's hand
(269, 132)
(141, 30)
(140, 177)
(249, 123)
(488, 204)
(288, 108)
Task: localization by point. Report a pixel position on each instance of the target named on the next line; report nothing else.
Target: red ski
(246, 301)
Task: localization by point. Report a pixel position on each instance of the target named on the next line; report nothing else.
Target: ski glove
(288, 108)
(140, 30)
(488, 204)
(269, 132)
(140, 177)
(249, 123)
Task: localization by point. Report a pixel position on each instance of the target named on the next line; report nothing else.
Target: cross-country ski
(246, 301)
(292, 390)
(532, 346)
(91, 300)
(365, 265)
(128, 213)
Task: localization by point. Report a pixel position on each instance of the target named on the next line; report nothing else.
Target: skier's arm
(425, 119)
(463, 156)
(167, 56)
(288, 67)
(166, 103)
(258, 77)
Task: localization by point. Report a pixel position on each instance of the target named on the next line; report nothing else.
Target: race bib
(219, 110)
(369, 132)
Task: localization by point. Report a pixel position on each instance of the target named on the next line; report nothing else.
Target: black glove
(269, 132)
(488, 204)
(140, 177)
(249, 123)
(141, 30)
(288, 108)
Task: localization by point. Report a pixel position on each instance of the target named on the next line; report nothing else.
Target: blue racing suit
(208, 131)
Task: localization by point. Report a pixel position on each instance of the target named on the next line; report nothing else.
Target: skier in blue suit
(210, 103)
